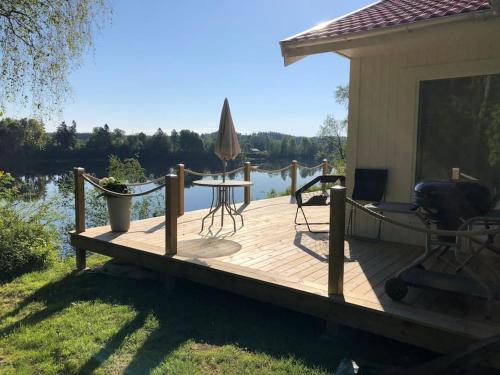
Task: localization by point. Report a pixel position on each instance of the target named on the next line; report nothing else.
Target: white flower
(104, 181)
(111, 180)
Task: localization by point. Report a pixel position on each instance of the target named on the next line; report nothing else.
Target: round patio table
(222, 199)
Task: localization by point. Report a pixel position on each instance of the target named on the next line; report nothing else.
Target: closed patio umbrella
(227, 146)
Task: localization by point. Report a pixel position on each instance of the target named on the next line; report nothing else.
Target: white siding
(384, 104)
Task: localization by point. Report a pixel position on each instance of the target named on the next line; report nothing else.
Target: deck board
(275, 251)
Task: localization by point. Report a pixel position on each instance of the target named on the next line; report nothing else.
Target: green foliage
(342, 95)
(65, 136)
(41, 42)
(100, 139)
(333, 133)
(189, 141)
(27, 243)
(8, 187)
(20, 138)
(187, 146)
(129, 170)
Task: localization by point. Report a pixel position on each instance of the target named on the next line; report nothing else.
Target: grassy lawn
(57, 321)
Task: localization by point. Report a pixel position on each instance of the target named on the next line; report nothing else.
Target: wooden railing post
(81, 261)
(171, 213)
(180, 176)
(246, 173)
(324, 172)
(294, 178)
(336, 241)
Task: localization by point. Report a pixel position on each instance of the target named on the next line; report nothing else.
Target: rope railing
(92, 181)
(257, 168)
(309, 168)
(158, 180)
(205, 174)
(428, 231)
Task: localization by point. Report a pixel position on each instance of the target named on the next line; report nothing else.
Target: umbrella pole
(224, 173)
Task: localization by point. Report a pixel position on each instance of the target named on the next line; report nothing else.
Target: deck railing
(172, 193)
(174, 207)
(247, 169)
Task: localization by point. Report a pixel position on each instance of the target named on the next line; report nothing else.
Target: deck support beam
(171, 213)
(81, 256)
(246, 172)
(336, 241)
(180, 176)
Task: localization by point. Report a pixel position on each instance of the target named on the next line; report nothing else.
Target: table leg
(212, 209)
(234, 210)
(227, 206)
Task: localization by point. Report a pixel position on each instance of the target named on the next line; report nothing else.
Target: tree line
(27, 140)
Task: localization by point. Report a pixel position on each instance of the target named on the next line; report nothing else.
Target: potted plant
(119, 208)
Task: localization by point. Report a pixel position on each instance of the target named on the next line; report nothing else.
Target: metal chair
(321, 199)
(369, 186)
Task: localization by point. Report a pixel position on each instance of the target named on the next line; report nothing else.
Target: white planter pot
(119, 210)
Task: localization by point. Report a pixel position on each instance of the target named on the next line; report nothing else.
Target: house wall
(383, 112)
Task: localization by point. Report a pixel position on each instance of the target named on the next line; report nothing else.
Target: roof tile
(387, 13)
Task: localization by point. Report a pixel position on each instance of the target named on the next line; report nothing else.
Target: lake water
(200, 197)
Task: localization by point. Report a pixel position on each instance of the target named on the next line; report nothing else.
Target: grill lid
(448, 203)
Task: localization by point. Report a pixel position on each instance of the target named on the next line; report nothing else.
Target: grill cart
(459, 216)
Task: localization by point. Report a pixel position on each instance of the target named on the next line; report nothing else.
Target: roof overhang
(293, 50)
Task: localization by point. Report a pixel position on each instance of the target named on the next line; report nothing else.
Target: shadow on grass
(208, 316)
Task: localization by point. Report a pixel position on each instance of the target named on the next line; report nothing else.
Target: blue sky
(170, 64)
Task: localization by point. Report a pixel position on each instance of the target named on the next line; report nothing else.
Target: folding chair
(369, 186)
(321, 199)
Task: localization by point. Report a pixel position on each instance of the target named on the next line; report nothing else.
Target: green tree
(342, 95)
(41, 42)
(129, 170)
(284, 147)
(174, 138)
(333, 135)
(332, 132)
(190, 141)
(65, 136)
(292, 147)
(100, 139)
(21, 137)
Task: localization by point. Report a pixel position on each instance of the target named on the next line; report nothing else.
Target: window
(459, 126)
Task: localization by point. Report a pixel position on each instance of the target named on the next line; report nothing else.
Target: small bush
(27, 243)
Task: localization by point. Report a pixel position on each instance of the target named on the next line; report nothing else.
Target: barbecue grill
(449, 205)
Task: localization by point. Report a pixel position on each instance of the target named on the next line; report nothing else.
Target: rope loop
(270, 171)
(203, 174)
(95, 183)
(309, 168)
(158, 180)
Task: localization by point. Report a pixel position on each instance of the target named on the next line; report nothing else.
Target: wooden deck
(272, 260)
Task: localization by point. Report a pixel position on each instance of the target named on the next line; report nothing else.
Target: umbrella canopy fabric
(227, 146)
